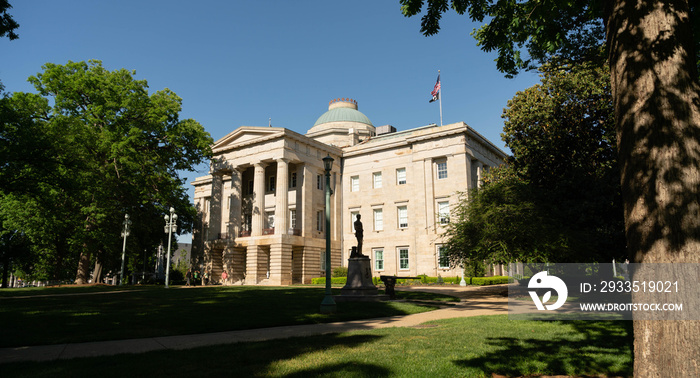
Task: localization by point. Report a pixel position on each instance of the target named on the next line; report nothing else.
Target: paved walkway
(489, 300)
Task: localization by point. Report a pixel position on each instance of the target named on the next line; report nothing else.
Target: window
(400, 176)
(442, 169)
(377, 180)
(247, 222)
(403, 216)
(293, 180)
(444, 212)
(270, 219)
(319, 182)
(271, 184)
(319, 220)
(403, 258)
(292, 218)
(355, 183)
(353, 218)
(378, 220)
(443, 261)
(323, 261)
(378, 259)
(228, 203)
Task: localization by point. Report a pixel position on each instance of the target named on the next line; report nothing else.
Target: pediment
(245, 135)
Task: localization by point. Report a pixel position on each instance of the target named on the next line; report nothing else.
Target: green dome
(343, 115)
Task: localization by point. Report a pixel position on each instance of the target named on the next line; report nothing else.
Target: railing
(265, 231)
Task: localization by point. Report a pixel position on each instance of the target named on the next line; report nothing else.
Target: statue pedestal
(359, 286)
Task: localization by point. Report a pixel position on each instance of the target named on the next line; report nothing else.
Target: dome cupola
(342, 124)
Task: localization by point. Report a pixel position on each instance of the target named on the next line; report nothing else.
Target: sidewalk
(474, 301)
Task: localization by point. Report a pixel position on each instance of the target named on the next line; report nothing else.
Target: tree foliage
(102, 147)
(523, 33)
(559, 198)
(7, 23)
(526, 34)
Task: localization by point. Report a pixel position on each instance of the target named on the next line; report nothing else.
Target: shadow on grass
(595, 349)
(345, 369)
(71, 316)
(254, 359)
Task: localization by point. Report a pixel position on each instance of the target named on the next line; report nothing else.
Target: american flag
(436, 91)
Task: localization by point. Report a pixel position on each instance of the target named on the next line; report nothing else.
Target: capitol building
(262, 206)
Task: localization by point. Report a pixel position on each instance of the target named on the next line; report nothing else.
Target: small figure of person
(359, 234)
(196, 277)
(188, 275)
(205, 278)
(224, 277)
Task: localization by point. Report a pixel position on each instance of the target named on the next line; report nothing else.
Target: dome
(343, 110)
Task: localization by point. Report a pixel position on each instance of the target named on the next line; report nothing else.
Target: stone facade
(262, 206)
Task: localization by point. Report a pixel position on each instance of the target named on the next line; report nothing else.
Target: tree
(7, 23)
(558, 200)
(651, 48)
(562, 135)
(502, 222)
(115, 149)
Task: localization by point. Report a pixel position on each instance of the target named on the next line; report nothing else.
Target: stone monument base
(359, 286)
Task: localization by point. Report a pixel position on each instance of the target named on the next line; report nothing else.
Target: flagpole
(440, 98)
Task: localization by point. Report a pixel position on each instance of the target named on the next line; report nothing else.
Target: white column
(215, 204)
(235, 212)
(479, 173)
(258, 200)
(281, 197)
(308, 214)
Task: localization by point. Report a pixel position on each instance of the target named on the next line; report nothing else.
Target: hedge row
(426, 280)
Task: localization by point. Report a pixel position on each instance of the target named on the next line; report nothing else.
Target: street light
(328, 304)
(170, 227)
(125, 233)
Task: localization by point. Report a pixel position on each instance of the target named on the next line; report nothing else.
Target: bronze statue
(359, 235)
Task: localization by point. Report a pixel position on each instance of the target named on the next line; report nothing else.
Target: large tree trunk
(656, 94)
(5, 268)
(97, 272)
(83, 275)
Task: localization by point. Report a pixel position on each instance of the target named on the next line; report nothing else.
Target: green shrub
(334, 280)
(452, 280)
(480, 281)
(340, 271)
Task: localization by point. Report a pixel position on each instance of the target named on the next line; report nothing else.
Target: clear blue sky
(237, 63)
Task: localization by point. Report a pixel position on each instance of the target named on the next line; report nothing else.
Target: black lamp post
(328, 304)
(125, 233)
(170, 227)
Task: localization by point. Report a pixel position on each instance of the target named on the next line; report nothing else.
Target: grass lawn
(463, 347)
(37, 316)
